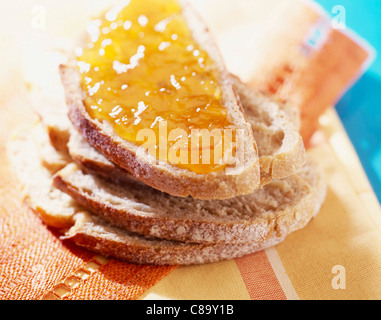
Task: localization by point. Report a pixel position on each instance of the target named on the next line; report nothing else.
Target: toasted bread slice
(276, 137)
(96, 234)
(51, 158)
(280, 145)
(34, 163)
(163, 175)
(281, 206)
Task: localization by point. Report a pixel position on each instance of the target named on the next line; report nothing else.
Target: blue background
(360, 108)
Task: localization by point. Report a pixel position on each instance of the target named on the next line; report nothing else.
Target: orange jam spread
(143, 72)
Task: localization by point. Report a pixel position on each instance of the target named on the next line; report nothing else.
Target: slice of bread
(53, 159)
(34, 164)
(163, 175)
(280, 207)
(277, 139)
(280, 145)
(95, 234)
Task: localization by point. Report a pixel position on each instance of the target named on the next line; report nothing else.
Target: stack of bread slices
(80, 178)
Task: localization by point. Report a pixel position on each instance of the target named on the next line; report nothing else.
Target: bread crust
(164, 176)
(273, 118)
(119, 207)
(110, 241)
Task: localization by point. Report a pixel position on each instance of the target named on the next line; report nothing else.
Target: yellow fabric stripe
(346, 233)
(216, 281)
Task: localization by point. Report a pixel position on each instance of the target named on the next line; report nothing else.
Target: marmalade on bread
(142, 69)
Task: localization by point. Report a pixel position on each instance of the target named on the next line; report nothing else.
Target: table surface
(359, 108)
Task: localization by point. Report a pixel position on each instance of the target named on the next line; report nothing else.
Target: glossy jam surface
(142, 69)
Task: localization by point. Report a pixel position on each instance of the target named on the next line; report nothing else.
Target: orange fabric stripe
(117, 280)
(33, 259)
(316, 66)
(34, 262)
(329, 72)
(259, 277)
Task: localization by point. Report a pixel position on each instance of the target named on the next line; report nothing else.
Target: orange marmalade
(143, 72)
